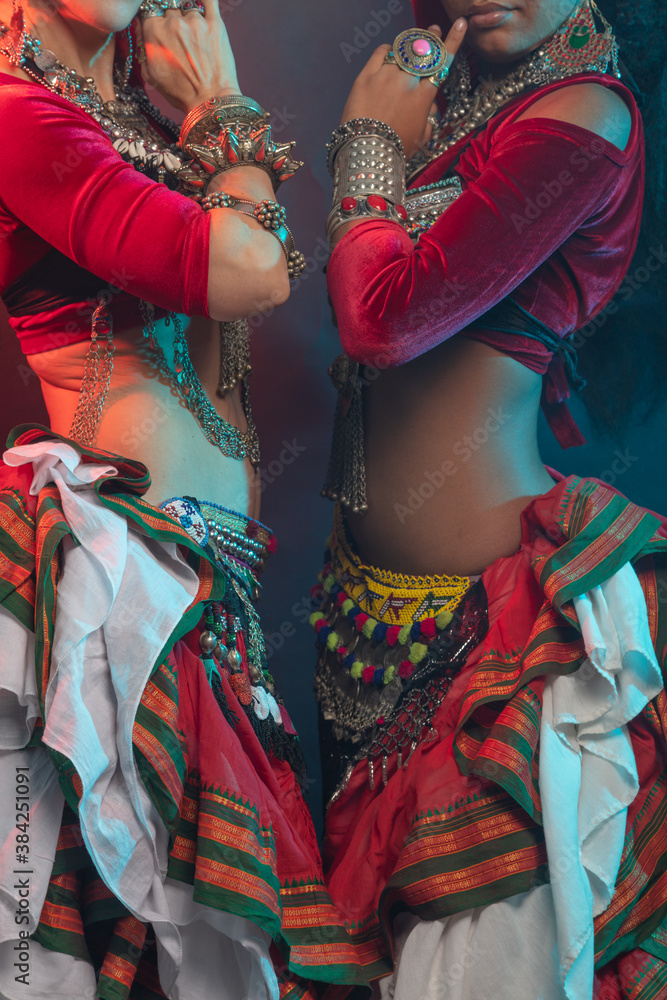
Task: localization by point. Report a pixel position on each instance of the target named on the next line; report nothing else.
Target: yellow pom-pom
(442, 619)
(417, 652)
(333, 641)
(347, 606)
(404, 635)
(316, 617)
(368, 628)
(355, 670)
(389, 674)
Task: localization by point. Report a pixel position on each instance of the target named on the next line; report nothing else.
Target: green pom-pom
(369, 627)
(333, 641)
(328, 583)
(347, 606)
(389, 674)
(316, 617)
(442, 619)
(417, 652)
(355, 670)
(404, 635)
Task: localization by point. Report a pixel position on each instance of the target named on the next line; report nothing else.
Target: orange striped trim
(230, 878)
(61, 918)
(118, 969)
(231, 835)
(159, 758)
(160, 704)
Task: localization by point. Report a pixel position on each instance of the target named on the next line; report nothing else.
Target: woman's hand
(188, 57)
(387, 92)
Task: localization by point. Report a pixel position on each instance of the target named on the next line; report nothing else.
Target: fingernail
(460, 24)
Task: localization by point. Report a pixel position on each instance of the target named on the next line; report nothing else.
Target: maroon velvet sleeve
(61, 177)
(395, 300)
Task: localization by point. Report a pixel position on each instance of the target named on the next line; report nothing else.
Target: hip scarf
(167, 846)
(541, 679)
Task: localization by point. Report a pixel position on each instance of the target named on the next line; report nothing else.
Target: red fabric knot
(367, 674)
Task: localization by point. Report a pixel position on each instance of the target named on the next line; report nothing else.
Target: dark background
(298, 58)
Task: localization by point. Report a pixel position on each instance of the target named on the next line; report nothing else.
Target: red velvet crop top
(549, 214)
(76, 219)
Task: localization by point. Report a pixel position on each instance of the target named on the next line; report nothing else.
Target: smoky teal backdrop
(298, 58)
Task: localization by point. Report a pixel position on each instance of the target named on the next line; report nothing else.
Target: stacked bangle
(270, 215)
(234, 131)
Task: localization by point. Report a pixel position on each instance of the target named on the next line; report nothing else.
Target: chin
(497, 47)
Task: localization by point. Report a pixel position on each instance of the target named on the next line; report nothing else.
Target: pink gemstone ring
(421, 53)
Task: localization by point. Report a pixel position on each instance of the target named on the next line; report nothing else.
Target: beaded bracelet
(270, 215)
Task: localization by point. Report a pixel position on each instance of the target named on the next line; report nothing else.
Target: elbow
(255, 293)
(373, 347)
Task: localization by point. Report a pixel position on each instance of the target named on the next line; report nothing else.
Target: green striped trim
(624, 528)
(167, 806)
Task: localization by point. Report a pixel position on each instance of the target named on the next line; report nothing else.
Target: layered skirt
(495, 753)
(154, 841)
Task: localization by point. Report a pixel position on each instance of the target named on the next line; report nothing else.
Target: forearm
(247, 266)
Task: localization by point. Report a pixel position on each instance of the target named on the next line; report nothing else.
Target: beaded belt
(389, 647)
(231, 640)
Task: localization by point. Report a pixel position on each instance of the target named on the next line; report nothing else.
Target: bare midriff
(451, 460)
(146, 419)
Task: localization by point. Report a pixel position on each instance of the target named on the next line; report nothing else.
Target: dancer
(155, 840)
(490, 677)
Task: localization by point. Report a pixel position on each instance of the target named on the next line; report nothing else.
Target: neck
(77, 45)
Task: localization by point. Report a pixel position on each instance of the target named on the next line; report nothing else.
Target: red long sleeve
(61, 178)
(395, 300)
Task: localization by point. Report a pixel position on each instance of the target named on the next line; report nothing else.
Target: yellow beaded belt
(366, 603)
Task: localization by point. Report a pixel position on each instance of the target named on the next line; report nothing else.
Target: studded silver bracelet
(369, 182)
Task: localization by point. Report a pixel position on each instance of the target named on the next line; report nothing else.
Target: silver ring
(187, 6)
(157, 8)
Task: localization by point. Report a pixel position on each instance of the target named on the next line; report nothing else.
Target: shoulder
(591, 106)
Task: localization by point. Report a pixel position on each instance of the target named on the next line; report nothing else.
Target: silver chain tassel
(346, 475)
(96, 377)
(234, 355)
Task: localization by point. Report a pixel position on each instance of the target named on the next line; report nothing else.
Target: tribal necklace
(577, 47)
(124, 119)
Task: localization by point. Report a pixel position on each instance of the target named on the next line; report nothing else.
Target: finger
(454, 39)
(377, 59)
(435, 29)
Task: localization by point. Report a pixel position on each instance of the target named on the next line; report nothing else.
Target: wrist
(206, 95)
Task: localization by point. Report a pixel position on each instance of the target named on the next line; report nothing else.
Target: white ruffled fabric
(539, 945)
(120, 597)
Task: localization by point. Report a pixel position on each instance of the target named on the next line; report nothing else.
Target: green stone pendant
(580, 36)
